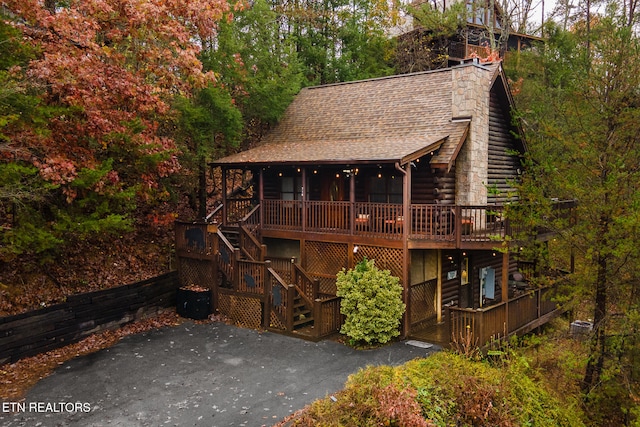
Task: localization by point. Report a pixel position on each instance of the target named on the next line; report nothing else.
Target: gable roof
(390, 119)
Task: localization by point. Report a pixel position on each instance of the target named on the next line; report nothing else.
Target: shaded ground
(198, 375)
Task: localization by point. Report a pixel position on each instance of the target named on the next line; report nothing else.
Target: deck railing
(495, 322)
(388, 220)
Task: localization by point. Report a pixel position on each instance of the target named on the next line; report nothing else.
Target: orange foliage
(112, 63)
(491, 55)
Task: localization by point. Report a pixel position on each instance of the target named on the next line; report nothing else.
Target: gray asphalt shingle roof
(379, 120)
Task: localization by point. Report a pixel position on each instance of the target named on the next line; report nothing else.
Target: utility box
(580, 328)
(193, 304)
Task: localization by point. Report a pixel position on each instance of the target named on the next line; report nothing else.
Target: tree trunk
(598, 344)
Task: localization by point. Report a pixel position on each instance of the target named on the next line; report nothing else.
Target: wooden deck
(423, 226)
(434, 333)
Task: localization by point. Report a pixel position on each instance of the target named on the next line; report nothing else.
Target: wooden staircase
(302, 315)
(303, 320)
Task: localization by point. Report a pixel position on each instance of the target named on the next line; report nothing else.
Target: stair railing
(215, 215)
(250, 245)
(252, 219)
(279, 299)
(227, 258)
(249, 242)
(307, 287)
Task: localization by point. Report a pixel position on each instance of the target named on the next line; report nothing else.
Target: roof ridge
(400, 76)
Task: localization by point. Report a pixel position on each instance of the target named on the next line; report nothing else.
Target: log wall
(34, 332)
(503, 163)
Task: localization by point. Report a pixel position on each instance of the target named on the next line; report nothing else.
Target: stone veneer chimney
(471, 85)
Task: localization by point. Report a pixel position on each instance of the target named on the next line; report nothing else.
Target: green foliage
(441, 23)
(338, 40)
(371, 302)
(209, 121)
(261, 70)
(449, 390)
(44, 218)
(581, 104)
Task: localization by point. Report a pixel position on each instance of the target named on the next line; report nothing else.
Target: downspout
(406, 211)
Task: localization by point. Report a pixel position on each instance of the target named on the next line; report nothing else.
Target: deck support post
(291, 294)
(224, 196)
(406, 259)
(505, 289)
(439, 287)
(266, 311)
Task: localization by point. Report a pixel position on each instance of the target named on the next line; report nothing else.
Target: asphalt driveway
(197, 375)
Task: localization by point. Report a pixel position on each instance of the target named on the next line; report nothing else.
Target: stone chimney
(471, 84)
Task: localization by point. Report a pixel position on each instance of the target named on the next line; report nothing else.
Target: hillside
(30, 282)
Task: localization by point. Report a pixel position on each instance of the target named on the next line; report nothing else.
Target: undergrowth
(445, 389)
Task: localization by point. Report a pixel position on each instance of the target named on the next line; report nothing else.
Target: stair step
(305, 313)
(301, 322)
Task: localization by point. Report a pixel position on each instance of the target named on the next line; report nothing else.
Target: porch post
(439, 288)
(406, 223)
(261, 195)
(505, 288)
(223, 187)
(352, 202)
(303, 199)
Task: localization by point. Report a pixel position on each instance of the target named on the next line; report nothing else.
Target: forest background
(111, 109)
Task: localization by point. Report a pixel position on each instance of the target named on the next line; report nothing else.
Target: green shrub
(442, 390)
(371, 302)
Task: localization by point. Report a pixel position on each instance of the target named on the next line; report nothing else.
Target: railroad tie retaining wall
(37, 331)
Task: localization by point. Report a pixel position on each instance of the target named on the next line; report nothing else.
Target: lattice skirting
(243, 311)
(324, 260)
(422, 299)
(385, 258)
(196, 272)
(276, 323)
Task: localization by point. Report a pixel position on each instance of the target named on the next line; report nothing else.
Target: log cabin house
(485, 24)
(414, 171)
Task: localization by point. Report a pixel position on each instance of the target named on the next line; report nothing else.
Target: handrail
(252, 212)
(250, 244)
(300, 272)
(214, 212)
(284, 311)
(484, 322)
(226, 242)
(434, 222)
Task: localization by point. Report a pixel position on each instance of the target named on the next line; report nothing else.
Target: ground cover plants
(445, 389)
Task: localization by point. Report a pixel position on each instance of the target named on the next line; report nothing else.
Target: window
(385, 189)
(291, 188)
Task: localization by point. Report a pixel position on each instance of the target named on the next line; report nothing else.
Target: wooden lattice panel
(196, 272)
(325, 258)
(276, 323)
(385, 258)
(243, 311)
(422, 298)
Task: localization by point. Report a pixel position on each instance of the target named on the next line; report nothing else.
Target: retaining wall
(37, 331)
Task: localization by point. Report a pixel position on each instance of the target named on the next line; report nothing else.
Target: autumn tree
(581, 104)
(108, 72)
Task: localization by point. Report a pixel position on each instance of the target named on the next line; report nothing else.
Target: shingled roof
(391, 119)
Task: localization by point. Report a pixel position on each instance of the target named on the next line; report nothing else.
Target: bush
(442, 390)
(371, 302)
